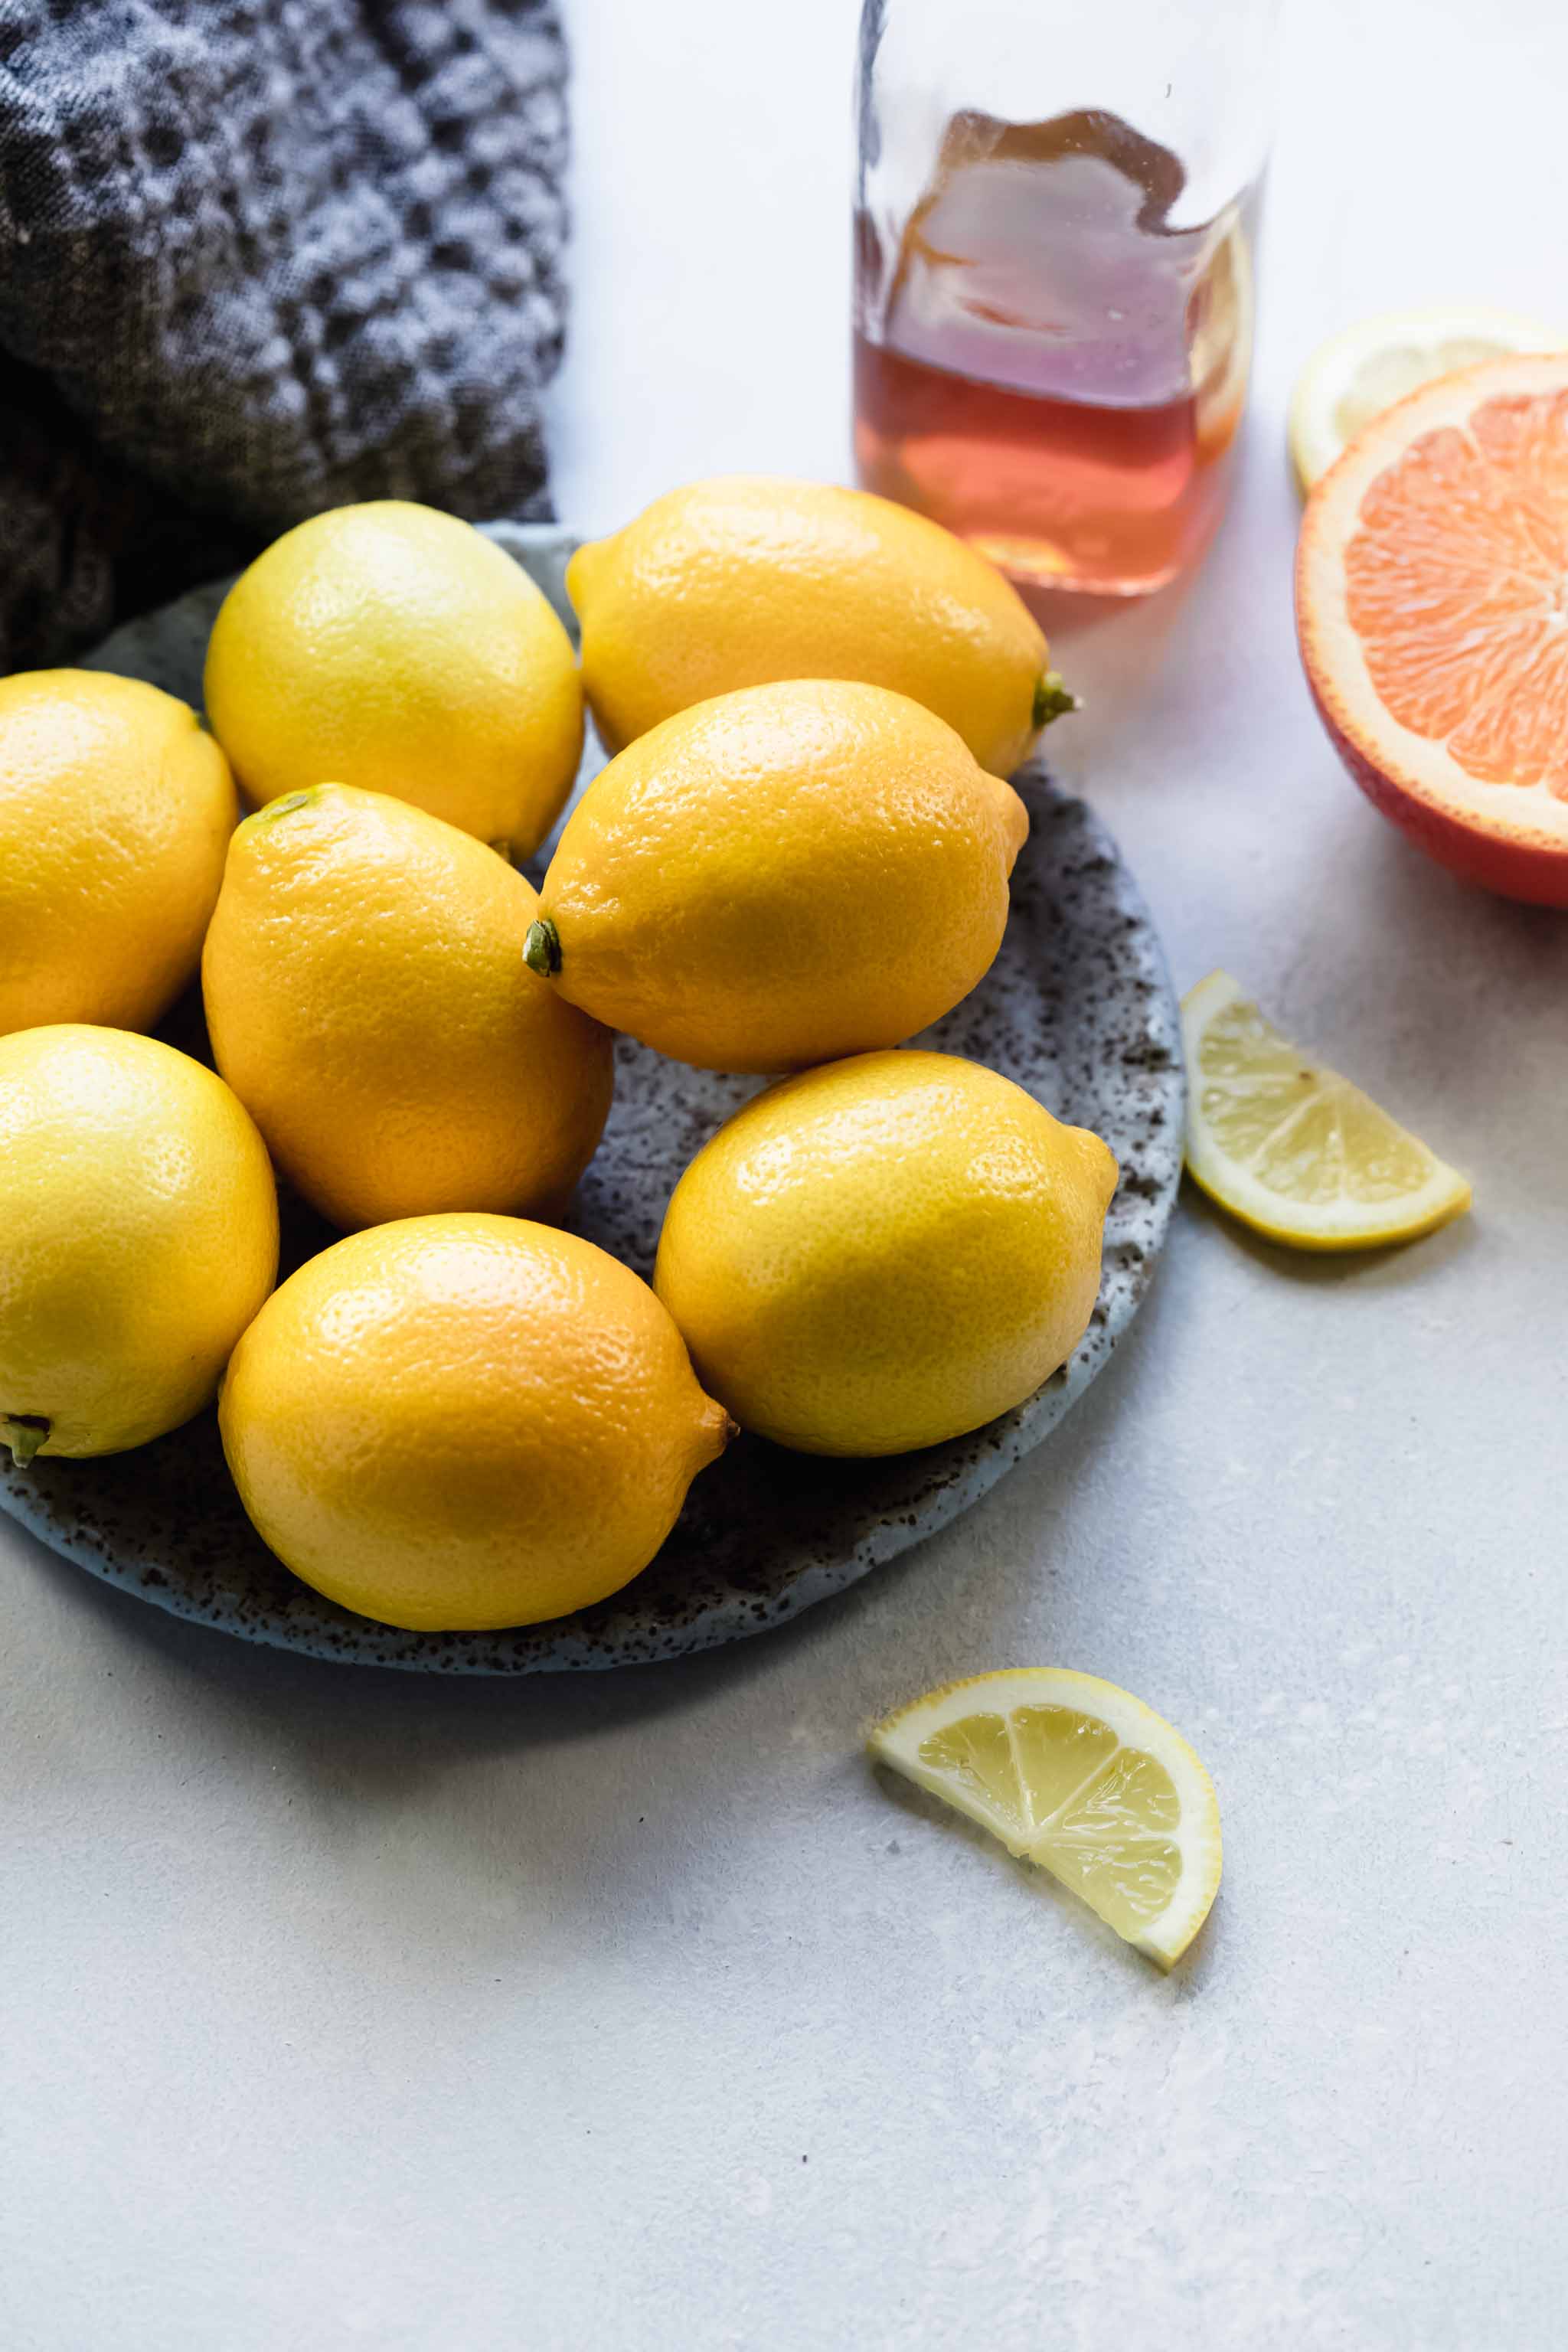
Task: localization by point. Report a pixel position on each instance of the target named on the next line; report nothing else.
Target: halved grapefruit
(1432, 604)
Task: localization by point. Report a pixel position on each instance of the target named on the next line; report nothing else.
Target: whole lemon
(115, 810)
(781, 876)
(368, 1002)
(138, 1236)
(399, 649)
(465, 1422)
(885, 1252)
(747, 579)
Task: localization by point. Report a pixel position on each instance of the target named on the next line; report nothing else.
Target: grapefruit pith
(1432, 604)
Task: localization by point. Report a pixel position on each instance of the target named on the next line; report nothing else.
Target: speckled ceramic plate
(1077, 1008)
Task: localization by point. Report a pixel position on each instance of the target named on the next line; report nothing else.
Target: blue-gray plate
(1077, 1008)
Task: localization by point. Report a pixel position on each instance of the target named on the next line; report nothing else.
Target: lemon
(1363, 370)
(1219, 343)
(368, 1002)
(780, 877)
(885, 1252)
(745, 580)
(398, 649)
(138, 1236)
(465, 1422)
(1081, 1777)
(114, 813)
(1293, 1149)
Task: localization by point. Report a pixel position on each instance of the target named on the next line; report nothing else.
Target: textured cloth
(259, 257)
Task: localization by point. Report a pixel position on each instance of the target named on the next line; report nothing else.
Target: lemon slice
(1358, 373)
(1294, 1150)
(1081, 1777)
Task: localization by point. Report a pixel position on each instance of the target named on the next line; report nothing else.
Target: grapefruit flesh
(1432, 604)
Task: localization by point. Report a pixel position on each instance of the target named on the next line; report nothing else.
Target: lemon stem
(541, 948)
(23, 1432)
(1053, 698)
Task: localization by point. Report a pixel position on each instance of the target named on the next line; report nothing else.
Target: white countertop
(345, 2009)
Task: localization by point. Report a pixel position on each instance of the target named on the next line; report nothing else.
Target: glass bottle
(1056, 211)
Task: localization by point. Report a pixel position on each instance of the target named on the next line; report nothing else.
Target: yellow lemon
(465, 1422)
(780, 877)
(1359, 374)
(745, 580)
(395, 648)
(138, 1236)
(885, 1252)
(368, 1002)
(114, 813)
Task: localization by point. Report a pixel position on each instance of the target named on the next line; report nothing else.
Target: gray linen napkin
(259, 257)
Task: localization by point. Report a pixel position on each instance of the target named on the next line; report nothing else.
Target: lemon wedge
(1293, 1150)
(1081, 1777)
(1363, 370)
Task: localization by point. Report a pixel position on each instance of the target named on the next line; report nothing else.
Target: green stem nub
(23, 1432)
(541, 948)
(1053, 699)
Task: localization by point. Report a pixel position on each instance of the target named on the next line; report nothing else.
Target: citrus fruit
(138, 1236)
(1360, 372)
(781, 876)
(885, 1252)
(368, 1002)
(746, 579)
(1220, 325)
(115, 810)
(465, 1422)
(398, 649)
(1081, 1777)
(1429, 601)
(1293, 1149)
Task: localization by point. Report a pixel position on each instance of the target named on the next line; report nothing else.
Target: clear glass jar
(1056, 211)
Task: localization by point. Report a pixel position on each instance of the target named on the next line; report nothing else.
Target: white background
(340, 2009)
